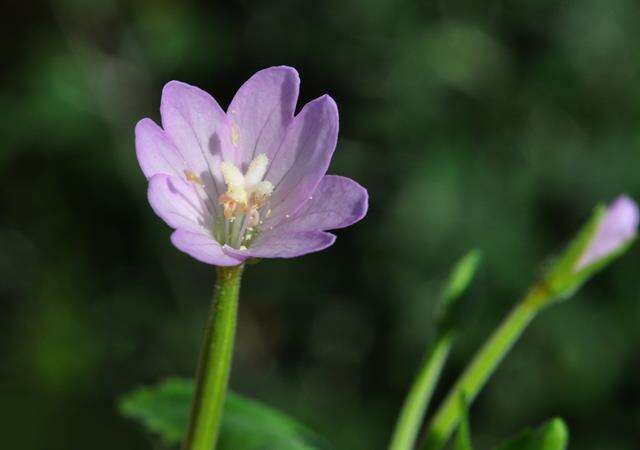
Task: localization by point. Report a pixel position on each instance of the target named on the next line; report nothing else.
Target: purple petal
(303, 158)
(285, 245)
(200, 130)
(337, 202)
(616, 228)
(262, 109)
(203, 248)
(156, 153)
(178, 203)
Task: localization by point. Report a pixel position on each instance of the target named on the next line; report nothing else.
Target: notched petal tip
(324, 109)
(327, 102)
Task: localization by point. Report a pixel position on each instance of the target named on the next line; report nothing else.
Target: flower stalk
(417, 401)
(212, 376)
(483, 365)
(606, 236)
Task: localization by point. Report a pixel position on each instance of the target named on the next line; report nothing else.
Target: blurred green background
(495, 124)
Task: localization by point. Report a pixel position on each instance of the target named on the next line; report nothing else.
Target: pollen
(191, 176)
(253, 218)
(246, 193)
(235, 134)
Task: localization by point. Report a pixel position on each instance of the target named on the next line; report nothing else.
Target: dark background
(496, 125)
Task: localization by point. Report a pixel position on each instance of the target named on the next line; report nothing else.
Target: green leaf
(162, 409)
(447, 314)
(553, 435)
(461, 275)
(463, 437)
(246, 424)
(457, 284)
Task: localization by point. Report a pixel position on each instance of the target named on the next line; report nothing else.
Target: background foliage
(493, 124)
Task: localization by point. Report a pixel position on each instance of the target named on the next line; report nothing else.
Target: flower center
(244, 197)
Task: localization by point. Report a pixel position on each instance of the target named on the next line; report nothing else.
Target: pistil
(246, 194)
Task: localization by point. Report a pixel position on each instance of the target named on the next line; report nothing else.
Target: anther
(235, 134)
(191, 176)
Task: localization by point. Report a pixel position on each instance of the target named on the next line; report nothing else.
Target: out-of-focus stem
(482, 367)
(212, 377)
(417, 401)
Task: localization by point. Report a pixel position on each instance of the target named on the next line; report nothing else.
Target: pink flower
(250, 182)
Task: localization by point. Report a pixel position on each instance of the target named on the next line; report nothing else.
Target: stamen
(229, 206)
(244, 197)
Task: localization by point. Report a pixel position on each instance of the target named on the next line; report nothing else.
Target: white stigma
(235, 183)
(257, 169)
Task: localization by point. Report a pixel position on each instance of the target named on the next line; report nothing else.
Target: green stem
(482, 366)
(417, 401)
(212, 376)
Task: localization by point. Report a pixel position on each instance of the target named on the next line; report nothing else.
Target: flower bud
(606, 236)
